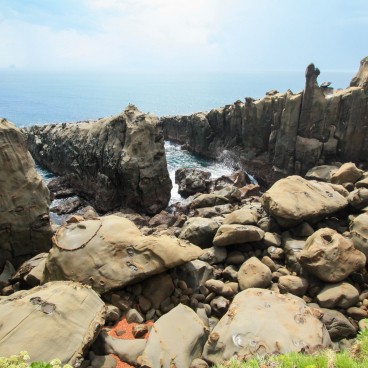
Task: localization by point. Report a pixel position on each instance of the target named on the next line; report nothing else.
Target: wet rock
(253, 273)
(237, 334)
(359, 233)
(342, 295)
(113, 253)
(75, 307)
(330, 256)
(237, 234)
(24, 220)
(293, 200)
(114, 162)
(170, 344)
(347, 173)
(192, 181)
(200, 231)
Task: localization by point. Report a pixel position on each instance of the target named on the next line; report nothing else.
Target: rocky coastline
(229, 271)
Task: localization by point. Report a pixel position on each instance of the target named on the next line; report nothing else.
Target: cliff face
(24, 200)
(114, 162)
(291, 132)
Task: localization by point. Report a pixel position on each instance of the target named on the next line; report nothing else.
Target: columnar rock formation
(24, 200)
(115, 162)
(291, 132)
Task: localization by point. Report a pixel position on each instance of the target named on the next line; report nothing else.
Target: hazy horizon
(163, 36)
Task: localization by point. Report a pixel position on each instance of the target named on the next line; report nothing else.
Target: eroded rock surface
(115, 162)
(24, 200)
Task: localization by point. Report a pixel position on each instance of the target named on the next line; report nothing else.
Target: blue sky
(183, 35)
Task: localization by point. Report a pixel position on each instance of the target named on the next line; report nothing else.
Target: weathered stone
(293, 284)
(343, 295)
(200, 231)
(237, 234)
(214, 211)
(24, 200)
(330, 256)
(169, 344)
(208, 200)
(357, 313)
(292, 248)
(359, 233)
(280, 323)
(214, 255)
(321, 173)
(195, 273)
(192, 181)
(358, 198)
(157, 288)
(113, 253)
(253, 273)
(114, 162)
(77, 308)
(220, 288)
(245, 216)
(293, 200)
(347, 173)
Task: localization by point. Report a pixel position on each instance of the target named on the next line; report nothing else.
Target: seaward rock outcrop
(24, 200)
(114, 162)
(291, 132)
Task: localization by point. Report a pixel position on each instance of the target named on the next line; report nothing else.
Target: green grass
(20, 361)
(356, 357)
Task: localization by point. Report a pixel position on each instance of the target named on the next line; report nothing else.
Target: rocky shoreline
(229, 271)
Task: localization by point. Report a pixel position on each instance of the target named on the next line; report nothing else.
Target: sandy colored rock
(347, 173)
(65, 315)
(169, 344)
(321, 173)
(115, 162)
(330, 256)
(279, 323)
(244, 216)
(293, 284)
(208, 200)
(358, 198)
(110, 252)
(359, 232)
(254, 274)
(341, 295)
(24, 200)
(237, 234)
(294, 199)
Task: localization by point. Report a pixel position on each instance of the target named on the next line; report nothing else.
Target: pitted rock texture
(279, 323)
(115, 162)
(24, 200)
(110, 252)
(59, 319)
(289, 132)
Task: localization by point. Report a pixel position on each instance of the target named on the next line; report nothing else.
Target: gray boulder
(192, 181)
(24, 202)
(65, 316)
(110, 252)
(261, 322)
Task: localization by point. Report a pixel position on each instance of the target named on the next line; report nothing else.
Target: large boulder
(56, 320)
(341, 295)
(110, 252)
(254, 274)
(192, 181)
(115, 162)
(347, 173)
(359, 232)
(294, 199)
(261, 322)
(330, 256)
(24, 200)
(175, 340)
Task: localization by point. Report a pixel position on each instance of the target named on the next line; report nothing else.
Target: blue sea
(39, 98)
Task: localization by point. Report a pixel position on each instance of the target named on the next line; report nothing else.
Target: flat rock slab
(109, 252)
(294, 199)
(264, 322)
(57, 320)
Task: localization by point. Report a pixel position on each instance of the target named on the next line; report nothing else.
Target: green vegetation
(20, 361)
(356, 357)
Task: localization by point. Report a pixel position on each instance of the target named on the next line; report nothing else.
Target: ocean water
(38, 98)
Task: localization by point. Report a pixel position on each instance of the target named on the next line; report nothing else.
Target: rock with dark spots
(192, 181)
(254, 274)
(113, 253)
(176, 339)
(330, 256)
(77, 308)
(115, 162)
(200, 231)
(237, 234)
(279, 323)
(347, 173)
(359, 232)
(231, 192)
(341, 295)
(24, 200)
(293, 200)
